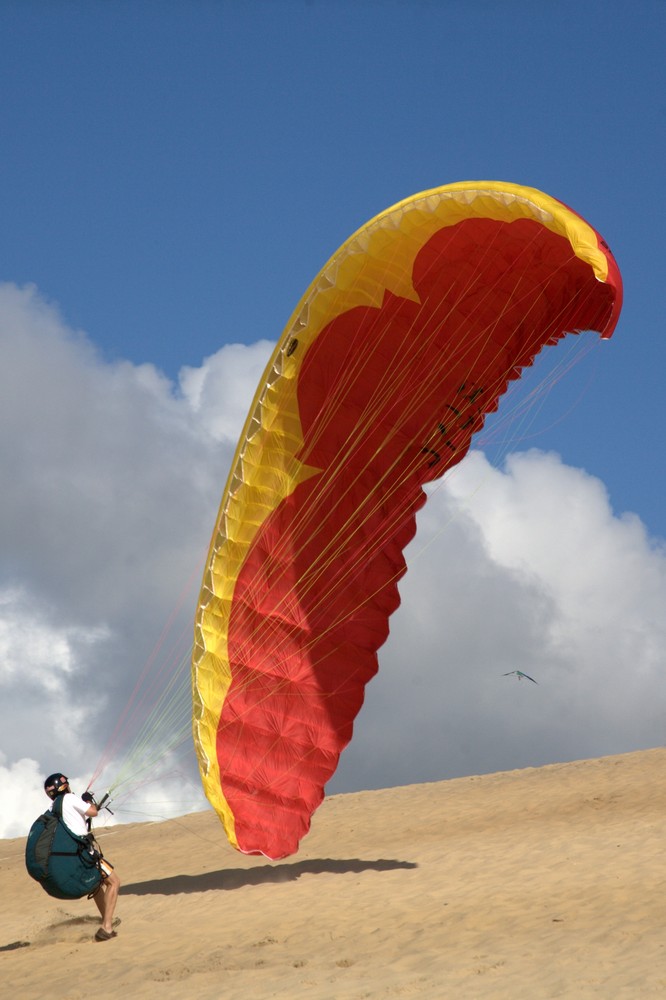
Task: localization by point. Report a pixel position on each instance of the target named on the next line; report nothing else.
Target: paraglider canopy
(403, 343)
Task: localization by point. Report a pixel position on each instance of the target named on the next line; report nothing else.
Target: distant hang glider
(520, 675)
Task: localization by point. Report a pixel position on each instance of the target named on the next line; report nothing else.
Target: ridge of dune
(538, 883)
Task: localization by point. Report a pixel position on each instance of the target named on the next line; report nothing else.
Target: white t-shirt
(74, 814)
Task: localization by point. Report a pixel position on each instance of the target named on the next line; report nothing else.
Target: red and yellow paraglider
(401, 346)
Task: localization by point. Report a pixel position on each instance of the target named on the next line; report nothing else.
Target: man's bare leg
(99, 899)
(106, 898)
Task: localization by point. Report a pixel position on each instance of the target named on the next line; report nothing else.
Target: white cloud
(53, 652)
(23, 791)
(218, 395)
(110, 486)
(111, 480)
(555, 524)
(531, 571)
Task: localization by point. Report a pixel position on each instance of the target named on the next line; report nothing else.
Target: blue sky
(172, 177)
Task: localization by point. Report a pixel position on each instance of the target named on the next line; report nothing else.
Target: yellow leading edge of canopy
(379, 256)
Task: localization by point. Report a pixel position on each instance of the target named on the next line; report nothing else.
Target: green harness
(65, 865)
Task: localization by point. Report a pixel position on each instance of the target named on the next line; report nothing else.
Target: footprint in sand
(72, 930)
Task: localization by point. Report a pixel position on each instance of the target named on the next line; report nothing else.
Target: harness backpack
(65, 865)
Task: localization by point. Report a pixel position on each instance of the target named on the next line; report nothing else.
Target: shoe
(103, 935)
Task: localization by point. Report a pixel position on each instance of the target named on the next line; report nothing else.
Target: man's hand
(89, 797)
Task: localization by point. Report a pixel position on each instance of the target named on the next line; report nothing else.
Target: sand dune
(538, 883)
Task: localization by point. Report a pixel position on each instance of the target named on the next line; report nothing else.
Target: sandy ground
(539, 883)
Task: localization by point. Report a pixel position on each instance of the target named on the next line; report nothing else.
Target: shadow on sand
(236, 878)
